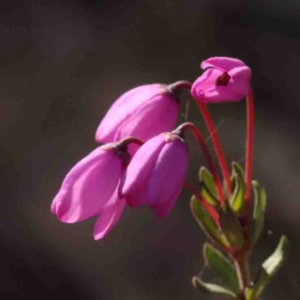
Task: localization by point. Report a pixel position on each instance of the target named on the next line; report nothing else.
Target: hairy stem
(217, 145)
(199, 137)
(249, 148)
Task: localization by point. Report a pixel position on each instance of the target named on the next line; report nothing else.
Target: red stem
(249, 147)
(217, 145)
(199, 137)
(212, 212)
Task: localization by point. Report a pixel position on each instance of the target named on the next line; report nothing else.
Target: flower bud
(143, 112)
(90, 188)
(156, 173)
(225, 79)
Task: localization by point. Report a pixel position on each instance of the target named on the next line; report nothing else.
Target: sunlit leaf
(260, 202)
(211, 288)
(268, 269)
(237, 199)
(208, 189)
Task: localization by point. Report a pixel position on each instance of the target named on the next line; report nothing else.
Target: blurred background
(62, 64)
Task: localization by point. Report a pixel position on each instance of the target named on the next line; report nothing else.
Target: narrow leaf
(207, 223)
(237, 200)
(211, 288)
(221, 266)
(268, 269)
(231, 226)
(237, 168)
(208, 188)
(260, 202)
(208, 196)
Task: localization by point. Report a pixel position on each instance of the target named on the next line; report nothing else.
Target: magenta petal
(221, 94)
(164, 208)
(135, 187)
(242, 73)
(150, 119)
(225, 63)
(168, 175)
(240, 80)
(88, 186)
(108, 218)
(130, 106)
(205, 82)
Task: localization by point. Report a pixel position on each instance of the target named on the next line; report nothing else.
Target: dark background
(62, 65)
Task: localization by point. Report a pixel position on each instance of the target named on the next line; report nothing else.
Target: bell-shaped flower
(143, 112)
(225, 79)
(91, 188)
(156, 173)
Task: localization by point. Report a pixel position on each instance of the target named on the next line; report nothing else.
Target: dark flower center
(223, 79)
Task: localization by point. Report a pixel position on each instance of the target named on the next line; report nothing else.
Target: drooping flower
(143, 112)
(91, 188)
(225, 79)
(156, 173)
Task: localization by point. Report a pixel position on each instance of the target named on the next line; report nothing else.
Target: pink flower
(224, 79)
(156, 173)
(90, 189)
(143, 112)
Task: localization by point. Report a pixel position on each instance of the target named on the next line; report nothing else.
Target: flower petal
(135, 186)
(167, 177)
(222, 62)
(150, 119)
(221, 94)
(240, 80)
(164, 208)
(123, 108)
(206, 81)
(108, 218)
(88, 186)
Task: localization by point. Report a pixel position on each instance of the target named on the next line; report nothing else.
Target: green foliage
(231, 226)
(207, 223)
(229, 234)
(211, 288)
(268, 269)
(208, 189)
(221, 266)
(260, 202)
(237, 199)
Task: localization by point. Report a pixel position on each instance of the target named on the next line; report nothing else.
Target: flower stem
(199, 137)
(217, 145)
(249, 147)
(180, 84)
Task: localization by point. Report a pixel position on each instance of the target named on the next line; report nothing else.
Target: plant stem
(249, 148)
(199, 137)
(217, 145)
(242, 269)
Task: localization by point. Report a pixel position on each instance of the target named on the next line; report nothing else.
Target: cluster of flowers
(142, 161)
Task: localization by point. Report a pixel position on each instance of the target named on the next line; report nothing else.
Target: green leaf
(231, 226)
(238, 169)
(237, 199)
(211, 288)
(206, 176)
(260, 202)
(221, 266)
(207, 223)
(268, 269)
(208, 188)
